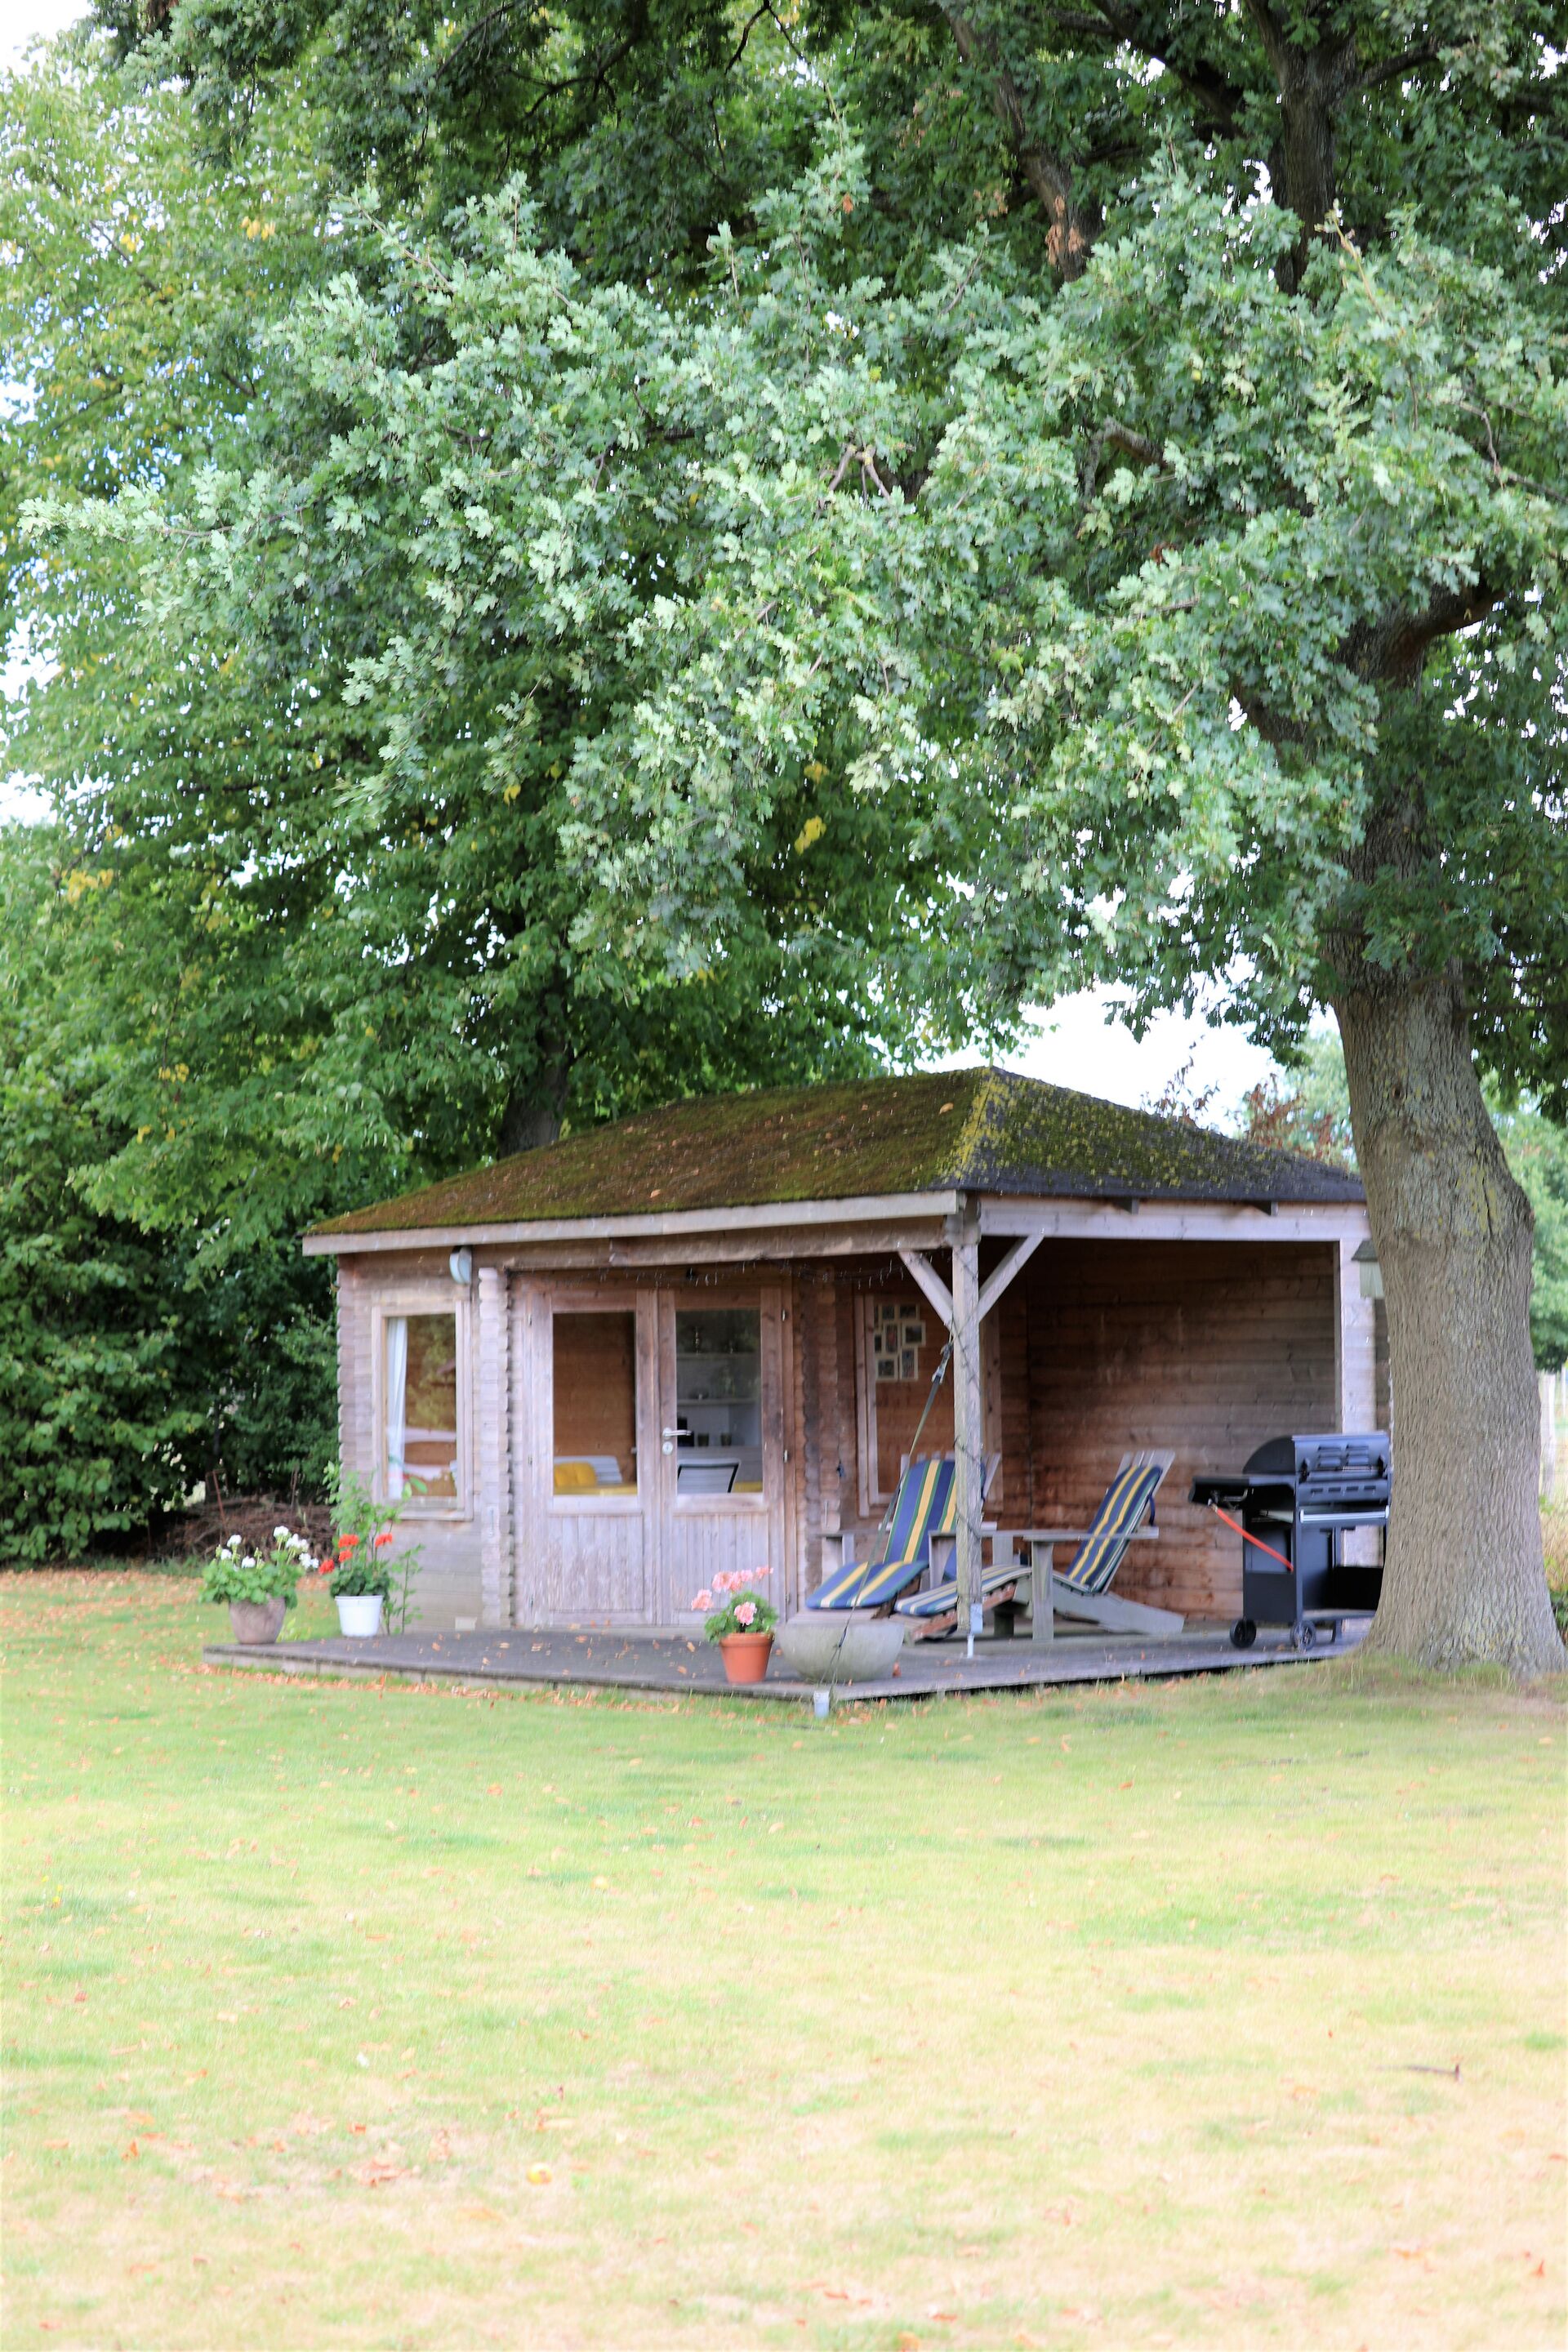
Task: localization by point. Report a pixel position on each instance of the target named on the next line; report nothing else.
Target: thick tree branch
(1217, 100)
(1313, 84)
(1113, 435)
(1072, 231)
(1394, 69)
(1392, 650)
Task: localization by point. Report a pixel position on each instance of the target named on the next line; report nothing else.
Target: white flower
(249, 1561)
(279, 1534)
(236, 1543)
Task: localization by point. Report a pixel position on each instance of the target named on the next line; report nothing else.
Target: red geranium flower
(382, 1539)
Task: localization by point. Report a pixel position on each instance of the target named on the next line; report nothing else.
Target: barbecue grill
(1296, 1496)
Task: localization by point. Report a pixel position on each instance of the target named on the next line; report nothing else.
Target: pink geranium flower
(703, 1599)
(745, 1612)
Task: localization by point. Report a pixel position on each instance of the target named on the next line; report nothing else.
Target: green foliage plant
(733, 1607)
(236, 1574)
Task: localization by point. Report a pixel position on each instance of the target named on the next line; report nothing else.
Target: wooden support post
(1042, 1607)
(968, 1431)
(492, 1448)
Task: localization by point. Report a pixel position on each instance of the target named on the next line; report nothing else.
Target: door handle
(667, 1434)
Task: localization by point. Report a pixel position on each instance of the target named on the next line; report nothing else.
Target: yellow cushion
(575, 1479)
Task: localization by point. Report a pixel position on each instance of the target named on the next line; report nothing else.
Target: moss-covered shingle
(982, 1130)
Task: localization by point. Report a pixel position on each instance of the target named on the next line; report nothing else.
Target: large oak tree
(1165, 407)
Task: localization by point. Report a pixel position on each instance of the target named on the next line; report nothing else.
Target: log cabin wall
(1208, 1348)
(1096, 1348)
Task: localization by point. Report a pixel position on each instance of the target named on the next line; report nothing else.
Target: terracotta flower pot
(745, 1656)
(255, 1622)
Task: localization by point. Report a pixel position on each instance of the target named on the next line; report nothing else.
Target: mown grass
(1230, 2014)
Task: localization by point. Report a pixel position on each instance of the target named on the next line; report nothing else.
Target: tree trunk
(1466, 1580)
(533, 1107)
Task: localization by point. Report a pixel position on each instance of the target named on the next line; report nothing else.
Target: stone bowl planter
(256, 1621)
(840, 1646)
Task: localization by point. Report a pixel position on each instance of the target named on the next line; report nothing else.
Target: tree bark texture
(1464, 1581)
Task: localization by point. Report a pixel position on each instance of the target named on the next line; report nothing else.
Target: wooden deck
(675, 1666)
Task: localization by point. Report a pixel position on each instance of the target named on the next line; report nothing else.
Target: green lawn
(338, 2014)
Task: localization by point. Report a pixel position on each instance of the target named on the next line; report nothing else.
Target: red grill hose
(1248, 1536)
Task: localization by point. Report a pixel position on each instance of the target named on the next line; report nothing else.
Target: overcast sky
(21, 20)
(1074, 1047)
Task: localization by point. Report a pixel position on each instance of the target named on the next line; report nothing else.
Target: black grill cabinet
(1294, 1500)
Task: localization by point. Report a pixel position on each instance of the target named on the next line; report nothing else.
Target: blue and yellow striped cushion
(1097, 1559)
(941, 1600)
(1101, 1552)
(925, 1505)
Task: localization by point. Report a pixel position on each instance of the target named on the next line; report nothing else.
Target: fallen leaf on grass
(377, 2175)
(539, 2176)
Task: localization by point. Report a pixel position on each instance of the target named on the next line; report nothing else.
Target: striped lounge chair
(1083, 1589)
(925, 1505)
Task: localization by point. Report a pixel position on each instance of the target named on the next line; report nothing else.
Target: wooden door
(588, 1488)
(721, 1456)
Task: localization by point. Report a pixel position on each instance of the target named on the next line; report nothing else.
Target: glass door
(720, 1440)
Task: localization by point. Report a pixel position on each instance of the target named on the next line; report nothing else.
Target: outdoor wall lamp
(461, 1263)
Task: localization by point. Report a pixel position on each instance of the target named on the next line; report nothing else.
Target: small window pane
(596, 1404)
(718, 1400)
(422, 1406)
(905, 1341)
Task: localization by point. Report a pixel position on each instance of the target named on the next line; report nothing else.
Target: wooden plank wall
(1205, 1346)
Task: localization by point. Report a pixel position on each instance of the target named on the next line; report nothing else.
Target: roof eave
(769, 1216)
(673, 1224)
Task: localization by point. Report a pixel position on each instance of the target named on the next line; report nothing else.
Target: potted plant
(366, 1584)
(259, 1587)
(741, 1622)
(361, 1583)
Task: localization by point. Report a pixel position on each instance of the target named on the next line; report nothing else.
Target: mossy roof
(981, 1130)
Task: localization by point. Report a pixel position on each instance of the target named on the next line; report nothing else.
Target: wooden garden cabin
(702, 1338)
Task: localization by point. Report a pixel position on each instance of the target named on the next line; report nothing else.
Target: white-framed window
(420, 1342)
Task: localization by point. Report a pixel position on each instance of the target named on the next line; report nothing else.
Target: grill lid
(1312, 1461)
